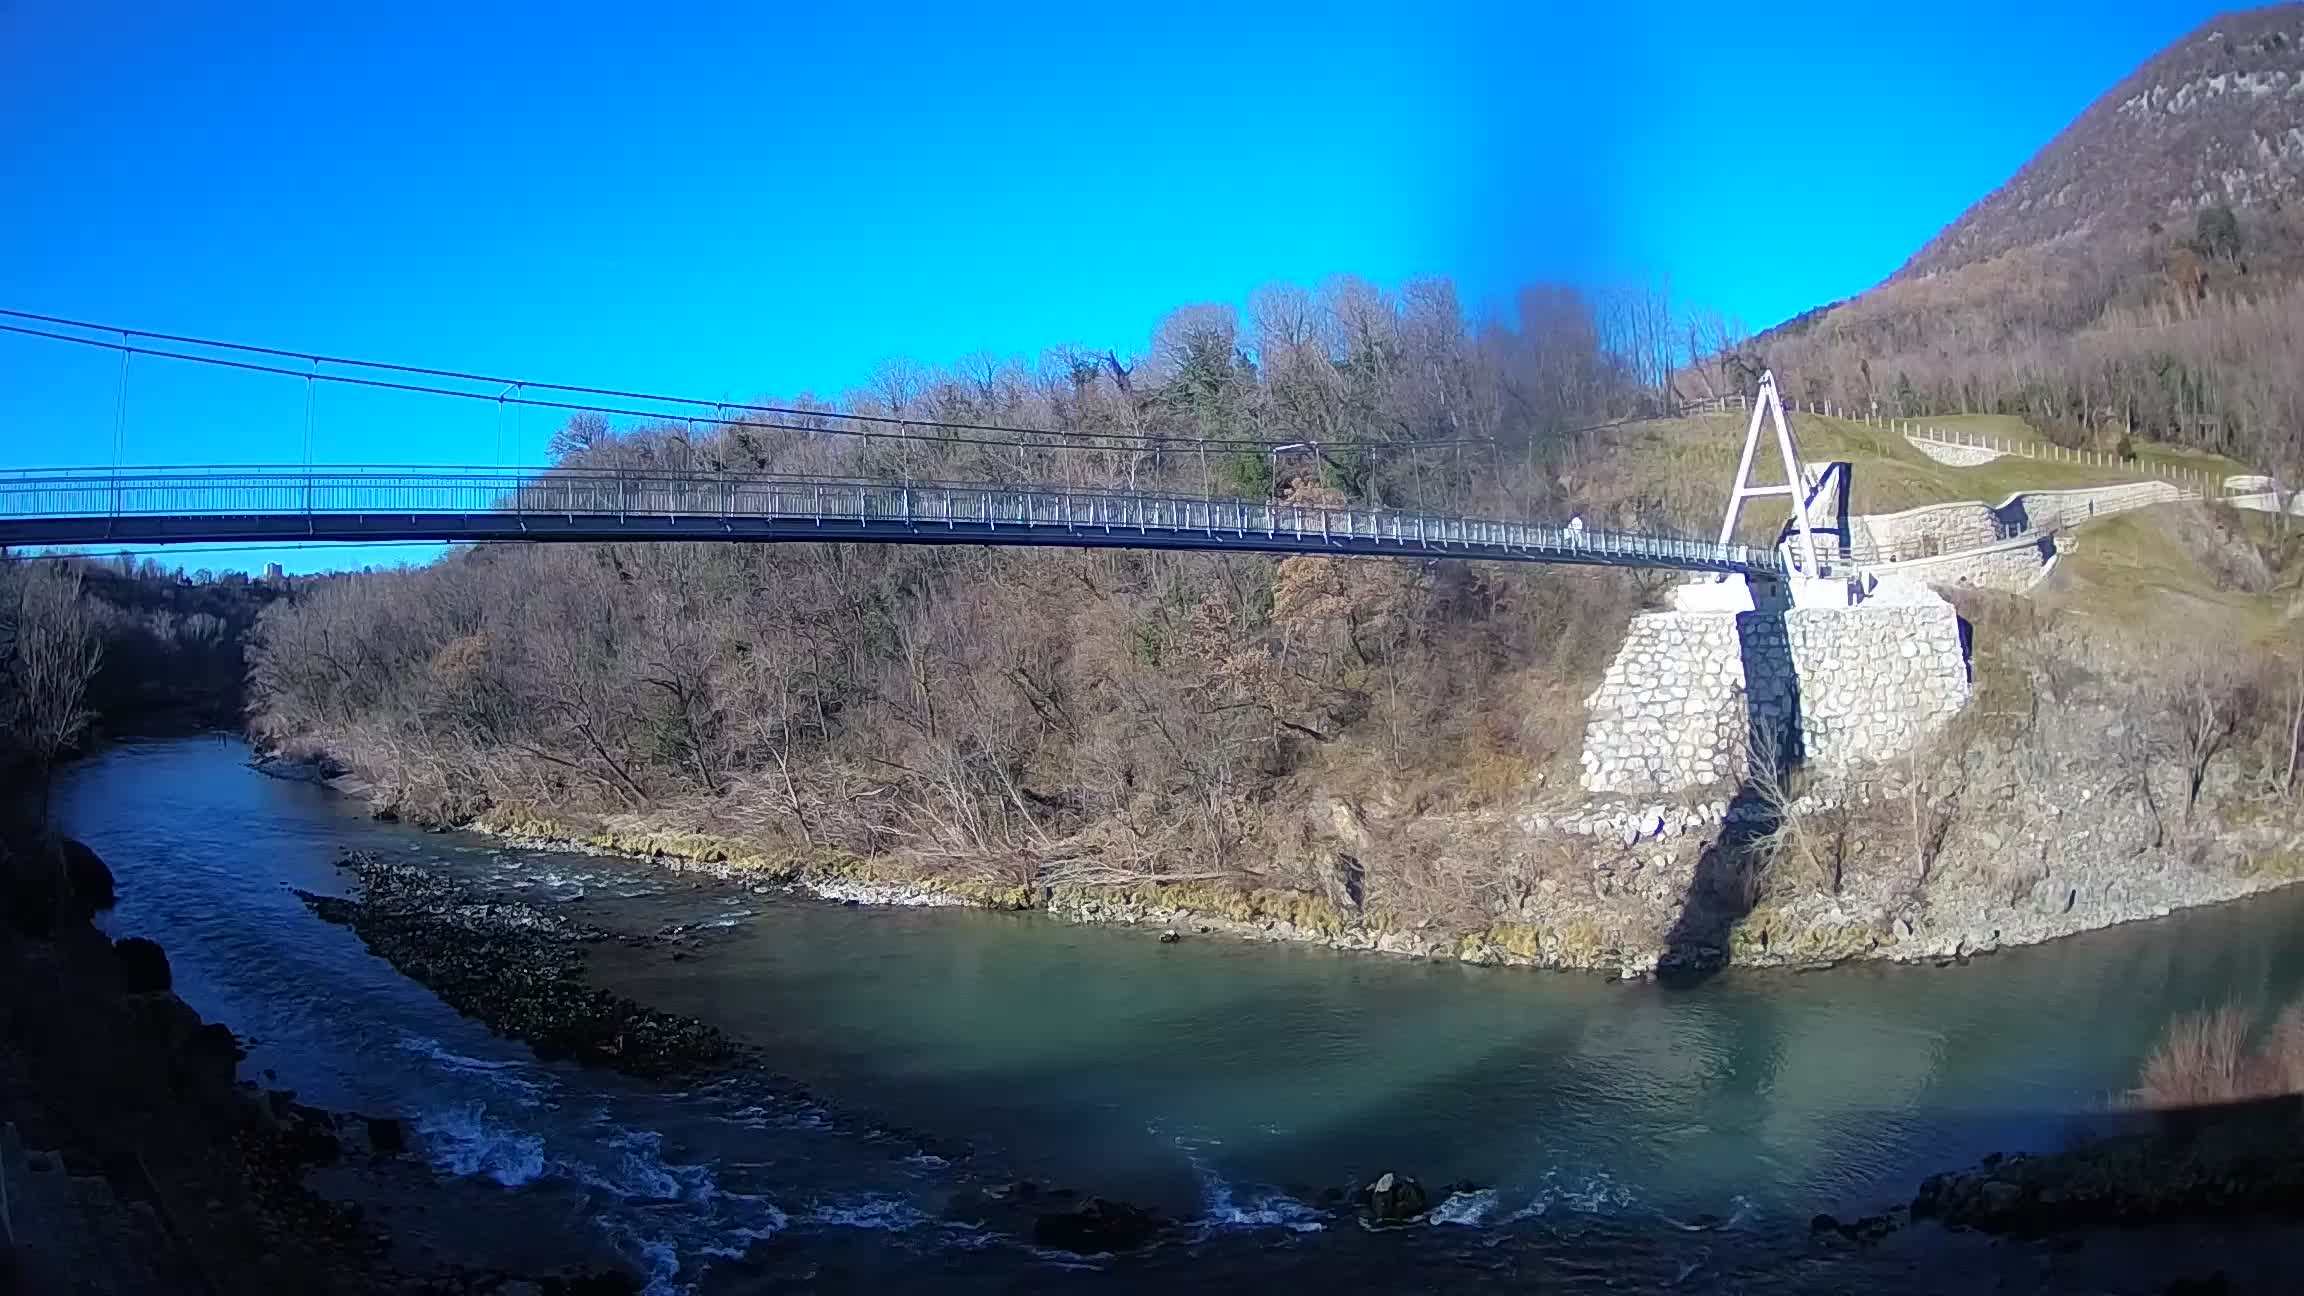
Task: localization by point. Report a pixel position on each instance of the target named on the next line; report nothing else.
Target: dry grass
(2137, 571)
(1689, 462)
(2207, 1059)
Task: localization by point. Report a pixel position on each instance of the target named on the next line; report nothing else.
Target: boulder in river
(386, 1135)
(143, 966)
(1098, 1225)
(47, 883)
(1394, 1199)
(87, 875)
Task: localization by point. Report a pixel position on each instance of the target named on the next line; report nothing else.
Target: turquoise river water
(1622, 1135)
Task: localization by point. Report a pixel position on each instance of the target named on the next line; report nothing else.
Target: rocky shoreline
(1630, 887)
(1633, 918)
(2219, 1164)
(138, 1161)
(516, 969)
(460, 941)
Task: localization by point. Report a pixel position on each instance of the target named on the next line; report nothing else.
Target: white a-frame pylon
(1768, 405)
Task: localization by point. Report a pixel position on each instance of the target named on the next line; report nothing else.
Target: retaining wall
(1931, 528)
(1956, 456)
(2014, 565)
(2050, 509)
(1682, 701)
(2268, 502)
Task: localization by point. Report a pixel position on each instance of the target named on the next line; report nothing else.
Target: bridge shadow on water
(1725, 887)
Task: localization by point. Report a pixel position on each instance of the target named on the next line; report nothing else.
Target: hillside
(2217, 118)
(2141, 278)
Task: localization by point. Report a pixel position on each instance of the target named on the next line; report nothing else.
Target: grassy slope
(1888, 474)
(2137, 571)
(2008, 428)
(2140, 571)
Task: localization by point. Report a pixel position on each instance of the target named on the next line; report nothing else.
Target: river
(1623, 1134)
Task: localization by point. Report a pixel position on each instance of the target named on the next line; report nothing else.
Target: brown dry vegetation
(51, 645)
(2214, 1058)
(2214, 367)
(2136, 279)
(1299, 739)
(1006, 715)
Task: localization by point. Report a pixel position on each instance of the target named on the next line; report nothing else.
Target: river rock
(386, 1135)
(143, 966)
(47, 884)
(88, 877)
(2234, 1162)
(517, 969)
(1098, 1225)
(1394, 1198)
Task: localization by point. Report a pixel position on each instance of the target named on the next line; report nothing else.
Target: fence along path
(1924, 435)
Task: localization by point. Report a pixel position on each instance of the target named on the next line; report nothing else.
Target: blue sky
(738, 200)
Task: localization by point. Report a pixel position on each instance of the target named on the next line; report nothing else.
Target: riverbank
(521, 972)
(2242, 1163)
(1597, 894)
(516, 969)
(139, 1161)
(2223, 1173)
(1228, 1086)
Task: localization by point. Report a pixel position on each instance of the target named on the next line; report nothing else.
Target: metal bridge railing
(634, 496)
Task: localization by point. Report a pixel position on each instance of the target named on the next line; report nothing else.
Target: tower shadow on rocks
(1724, 888)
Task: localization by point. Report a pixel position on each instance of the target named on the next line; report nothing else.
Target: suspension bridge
(121, 505)
(146, 506)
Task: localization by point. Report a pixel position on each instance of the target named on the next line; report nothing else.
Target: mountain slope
(2142, 277)
(2215, 119)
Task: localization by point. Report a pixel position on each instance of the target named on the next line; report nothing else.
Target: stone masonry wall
(1956, 456)
(1943, 528)
(1683, 697)
(1670, 712)
(2013, 566)
(1933, 528)
(2037, 510)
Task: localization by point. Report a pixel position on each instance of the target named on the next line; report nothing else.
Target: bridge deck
(161, 506)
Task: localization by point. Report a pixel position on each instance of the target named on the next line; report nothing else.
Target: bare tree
(1801, 838)
(51, 648)
(2204, 704)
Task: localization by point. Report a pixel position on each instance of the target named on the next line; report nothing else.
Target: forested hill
(2140, 277)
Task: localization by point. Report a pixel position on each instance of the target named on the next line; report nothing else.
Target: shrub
(2206, 1059)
